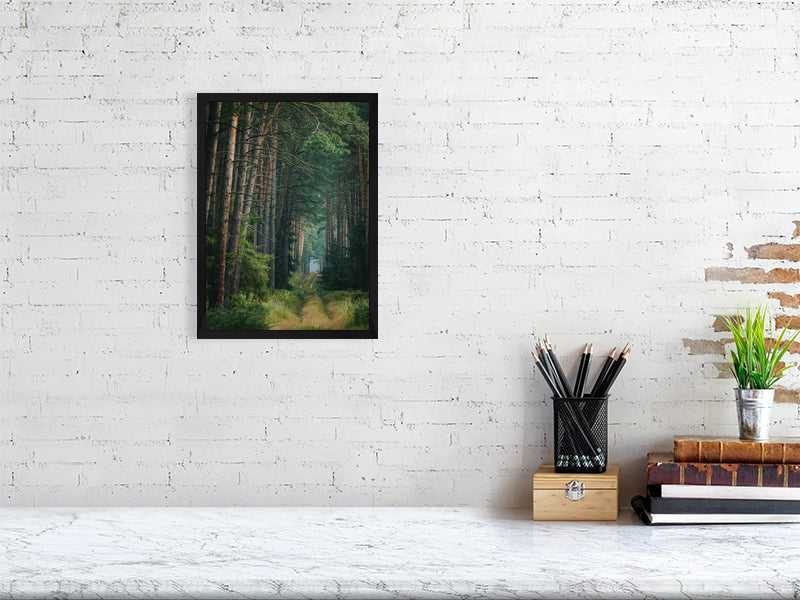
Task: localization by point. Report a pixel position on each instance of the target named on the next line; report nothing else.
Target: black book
(641, 505)
(706, 506)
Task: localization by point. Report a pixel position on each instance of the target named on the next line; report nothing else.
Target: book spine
(721, 506)
(639, 505)
(718, 451)
(731, 492)
(730, 474)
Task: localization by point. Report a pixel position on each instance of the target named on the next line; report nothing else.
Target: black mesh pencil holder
(581, 435)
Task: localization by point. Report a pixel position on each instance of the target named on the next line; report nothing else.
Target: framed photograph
(287, 224)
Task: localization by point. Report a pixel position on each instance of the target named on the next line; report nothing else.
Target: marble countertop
(383, 553)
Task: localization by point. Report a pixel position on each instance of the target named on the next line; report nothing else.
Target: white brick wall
(553, 167)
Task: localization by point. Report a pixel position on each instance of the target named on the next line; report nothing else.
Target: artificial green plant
(755, 362)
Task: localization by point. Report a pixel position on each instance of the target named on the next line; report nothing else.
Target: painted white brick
(529, 157)
(342, 14)
(763, 37)
(43, 270)
(771, 161)
(409, 41)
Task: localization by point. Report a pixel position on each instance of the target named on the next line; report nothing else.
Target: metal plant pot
(754, 408)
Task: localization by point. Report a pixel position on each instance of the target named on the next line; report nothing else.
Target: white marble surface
(383, 553)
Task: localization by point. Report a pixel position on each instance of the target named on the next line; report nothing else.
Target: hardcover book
(662, 468)
(640, 505)
(721, 506)
(690, 448)
(740, 492)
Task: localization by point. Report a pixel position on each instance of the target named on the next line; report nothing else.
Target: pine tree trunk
(245, 173)
(286, 231)
(260, 227)
(211, 160)
(300, 244)
(328, 221)
(258, 201)
(272, 187)
(224, 212)
(284, 219)
(364, 213)
(262, 209)
(261, 196)
(238, 157)
(248, 202)
(339, 205)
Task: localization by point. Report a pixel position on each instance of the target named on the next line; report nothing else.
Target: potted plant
(755, 366)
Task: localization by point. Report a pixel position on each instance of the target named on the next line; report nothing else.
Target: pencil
(559, 370)
(545, 374)
(547, 359)
(604, 387)
(614, 373)
(582, 431)
(583, 370)
(570, 444)
(601, 376)
(576, 454)
(578, 374)
(568, 452)
(577, 445)
(540, 353)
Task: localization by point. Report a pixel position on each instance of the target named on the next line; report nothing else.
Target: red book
(696, 448)
(663, 469)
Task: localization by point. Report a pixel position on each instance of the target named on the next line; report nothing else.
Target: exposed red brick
(796, 233)
(775, 252)
(719, 322)
(783, 395)
(752, 275)
(782, 364)
(705, 346)
(794, 347)
(788, 321)
(723, 370)
(786, 300)
(781, 321)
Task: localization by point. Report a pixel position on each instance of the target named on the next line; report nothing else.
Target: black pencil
(547, 360)
(570, 451)
(582, 439)
(614, 373)
(576, 440)
(564, 460)
(604, 386)
(547, 364)
(545, 374)
(539, 354)
(581, 363)
(602, 375)
(577, 455)
(559, 370)
(583, 370)
(582, 431)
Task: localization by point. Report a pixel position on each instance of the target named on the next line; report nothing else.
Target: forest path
(307, 281)
(313, 313)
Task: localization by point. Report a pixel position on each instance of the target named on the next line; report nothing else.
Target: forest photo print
(287, 215)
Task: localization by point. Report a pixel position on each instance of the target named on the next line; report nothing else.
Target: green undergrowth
(304, 306)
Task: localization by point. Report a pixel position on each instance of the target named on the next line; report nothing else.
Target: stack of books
(722, 480)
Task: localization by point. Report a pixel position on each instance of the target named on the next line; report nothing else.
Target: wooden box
(575, 496)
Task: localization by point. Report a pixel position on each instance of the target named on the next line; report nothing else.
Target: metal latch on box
(573, 490)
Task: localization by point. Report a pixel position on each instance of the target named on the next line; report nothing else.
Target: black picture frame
(203, 331)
